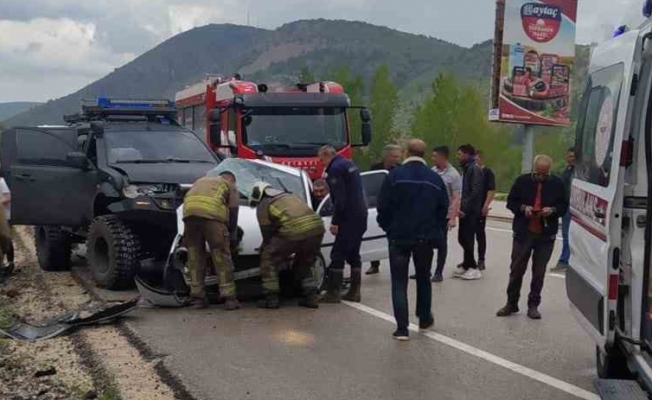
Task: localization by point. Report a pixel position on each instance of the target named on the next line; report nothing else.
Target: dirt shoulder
(92, 363)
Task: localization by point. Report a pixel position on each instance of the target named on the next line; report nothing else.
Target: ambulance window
(597, 126)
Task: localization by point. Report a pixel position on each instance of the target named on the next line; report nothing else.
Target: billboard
(534, 53)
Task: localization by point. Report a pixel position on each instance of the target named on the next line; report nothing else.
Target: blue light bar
(620, 30)
(106, 102)
(647, 8)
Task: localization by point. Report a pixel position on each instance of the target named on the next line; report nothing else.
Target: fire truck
(244, 119)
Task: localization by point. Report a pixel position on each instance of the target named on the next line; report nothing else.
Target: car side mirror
(77, 159)
(215, 116)
(216, 135)
(366, 133)
(365, 115)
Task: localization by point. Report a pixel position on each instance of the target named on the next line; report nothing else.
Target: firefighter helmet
(258, 192)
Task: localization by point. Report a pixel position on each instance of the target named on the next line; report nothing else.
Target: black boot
(354, 290)
(270, 301)
(309, 300)
(334, 292)
(231, 303)
(199, 302)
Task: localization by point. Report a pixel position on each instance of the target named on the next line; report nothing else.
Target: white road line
(554, 275)
(519, 369)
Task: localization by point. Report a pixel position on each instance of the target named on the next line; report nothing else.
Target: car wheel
(612, 365)
(53, 248)
(113, 253)
(319, 273)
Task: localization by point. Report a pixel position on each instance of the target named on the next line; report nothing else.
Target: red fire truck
(248, 120)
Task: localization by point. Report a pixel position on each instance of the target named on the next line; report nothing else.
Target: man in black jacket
(537, 200)
(412, 209)
(348, 225)
(391, 159)
(470, 212)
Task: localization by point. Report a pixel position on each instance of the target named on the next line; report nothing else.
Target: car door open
(50, 182)
(374, 241)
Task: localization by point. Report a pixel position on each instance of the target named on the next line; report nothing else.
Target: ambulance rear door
(596, 204)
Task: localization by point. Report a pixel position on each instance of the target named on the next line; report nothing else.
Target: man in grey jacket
(470, 212)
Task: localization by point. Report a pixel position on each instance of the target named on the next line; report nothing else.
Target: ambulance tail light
(613, 287)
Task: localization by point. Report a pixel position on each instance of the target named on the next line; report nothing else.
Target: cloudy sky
(49, 48)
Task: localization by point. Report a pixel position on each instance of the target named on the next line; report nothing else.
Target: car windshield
(164, 146)
(293, 130)
(248, 173)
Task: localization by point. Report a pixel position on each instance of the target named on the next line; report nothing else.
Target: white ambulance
(609, 282)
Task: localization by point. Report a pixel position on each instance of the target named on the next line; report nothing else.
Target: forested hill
(277, 56)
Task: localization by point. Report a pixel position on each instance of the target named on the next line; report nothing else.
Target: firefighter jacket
(289, 217)
(211, 197)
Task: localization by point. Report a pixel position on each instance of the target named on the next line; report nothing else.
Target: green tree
(384, 107)
(456, 114)
(306, 76)
(354, 87)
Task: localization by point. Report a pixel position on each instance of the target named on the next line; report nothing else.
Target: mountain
(277, 56)
(8, 110)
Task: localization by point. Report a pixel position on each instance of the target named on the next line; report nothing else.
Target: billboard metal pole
(528, 149)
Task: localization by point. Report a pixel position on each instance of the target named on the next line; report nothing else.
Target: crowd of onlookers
(418, 206)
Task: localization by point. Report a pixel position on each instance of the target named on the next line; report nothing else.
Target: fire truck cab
(609, 282)
(248, 120)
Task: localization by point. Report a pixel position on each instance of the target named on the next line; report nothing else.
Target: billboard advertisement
(535, 41)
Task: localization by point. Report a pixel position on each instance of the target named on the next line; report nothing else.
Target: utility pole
(528, 149)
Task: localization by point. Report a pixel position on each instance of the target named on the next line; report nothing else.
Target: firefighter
(210, 215)
(348, 225)
(289, 227)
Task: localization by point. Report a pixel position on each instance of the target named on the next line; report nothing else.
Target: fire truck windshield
(294, 130)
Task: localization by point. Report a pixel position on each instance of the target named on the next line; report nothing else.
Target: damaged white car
(281, 177)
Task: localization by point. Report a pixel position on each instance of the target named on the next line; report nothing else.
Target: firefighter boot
(334, 292)
(231, 303)
(310, 300)
(270, 301)
(354, 290)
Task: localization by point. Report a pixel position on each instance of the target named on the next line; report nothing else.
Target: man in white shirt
(5, 199)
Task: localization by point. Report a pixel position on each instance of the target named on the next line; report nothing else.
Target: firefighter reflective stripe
(295, 226)
(208, 199)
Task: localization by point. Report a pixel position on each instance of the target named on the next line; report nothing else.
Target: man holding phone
(537, 200)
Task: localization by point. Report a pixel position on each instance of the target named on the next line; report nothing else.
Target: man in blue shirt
(348, 225)
(412, 209)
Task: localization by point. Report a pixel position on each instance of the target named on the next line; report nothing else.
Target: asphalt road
(346, 351)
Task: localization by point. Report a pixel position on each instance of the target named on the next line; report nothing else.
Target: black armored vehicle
(113, 178)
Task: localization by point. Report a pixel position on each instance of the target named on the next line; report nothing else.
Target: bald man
(412, 209)
(537, 200)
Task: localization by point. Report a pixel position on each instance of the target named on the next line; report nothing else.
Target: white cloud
(65, 44)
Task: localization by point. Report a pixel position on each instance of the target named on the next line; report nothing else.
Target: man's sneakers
(459, 271)
(533, 313)
(426, 324)
(373, 269)
(507, 311)
(471, 274)
(438, 277)
(560, 267)
(482, 265)
(401, 336)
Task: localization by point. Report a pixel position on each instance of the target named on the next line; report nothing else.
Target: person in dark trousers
(470, 210)
(537, 200)
(391, 158)
(412, 209)
(488, 193)
(348, 225)
(567, 177)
